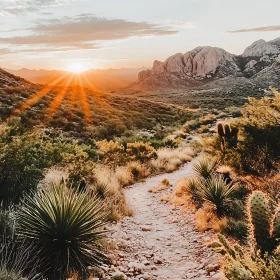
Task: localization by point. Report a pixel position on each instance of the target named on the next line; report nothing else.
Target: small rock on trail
(160, 240)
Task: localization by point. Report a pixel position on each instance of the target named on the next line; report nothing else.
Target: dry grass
(224, 169)
(206, 219)
(124, 176)
(106, 178)
(169, 160)
(53, 176)
(163, 185)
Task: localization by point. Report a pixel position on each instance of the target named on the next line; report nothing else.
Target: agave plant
(205, 167)
(215, 191)
(64, 226)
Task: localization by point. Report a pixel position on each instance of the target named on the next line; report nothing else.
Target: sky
(91, 34)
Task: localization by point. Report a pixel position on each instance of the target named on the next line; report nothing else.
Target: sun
(77, 68)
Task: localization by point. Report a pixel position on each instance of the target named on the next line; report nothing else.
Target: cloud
(19, 7)
(5, 51)
(84, 32)
(257, 29)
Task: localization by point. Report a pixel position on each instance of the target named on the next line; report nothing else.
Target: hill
(80, 110)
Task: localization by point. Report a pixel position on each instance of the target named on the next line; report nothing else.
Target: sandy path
(160, 240)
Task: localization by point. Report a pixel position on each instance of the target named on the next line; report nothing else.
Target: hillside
(78, 109)
(102, 80)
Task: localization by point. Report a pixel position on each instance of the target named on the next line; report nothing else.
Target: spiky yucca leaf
(64, 226)
(205, 167)
(192, 185)
(215, 191)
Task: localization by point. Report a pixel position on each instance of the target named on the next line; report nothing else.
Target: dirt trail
(160, 241)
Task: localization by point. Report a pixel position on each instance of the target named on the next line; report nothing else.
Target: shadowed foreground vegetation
(235, 190)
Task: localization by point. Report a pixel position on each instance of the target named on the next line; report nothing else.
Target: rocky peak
(199, 63)
(205, 61)
(261, 48)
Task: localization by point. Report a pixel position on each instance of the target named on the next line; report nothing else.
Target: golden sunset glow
(77, 68)
(74, 89)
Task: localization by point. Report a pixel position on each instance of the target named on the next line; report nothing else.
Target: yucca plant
(101, 190)
(216, 192)
(192, 185)
(64, 226)
(205, 167)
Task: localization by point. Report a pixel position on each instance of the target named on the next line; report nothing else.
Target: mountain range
(258, 65)
(101, 80)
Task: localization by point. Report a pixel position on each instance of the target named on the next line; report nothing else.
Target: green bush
(22, 161)
(140, 151)
(63, 227)
(236, 228)
(257, 150)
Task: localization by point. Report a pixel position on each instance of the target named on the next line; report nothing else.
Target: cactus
(259, 218)
(227, 246)
(220, 129)
(275, 227)
(236, 272)
(226, 132)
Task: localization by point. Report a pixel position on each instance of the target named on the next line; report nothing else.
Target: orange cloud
(84, 31)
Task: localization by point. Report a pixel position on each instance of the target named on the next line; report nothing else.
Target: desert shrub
(101, 190)
(257, 149)
(236, 228)
(63, 227)
(138, 170)
(192, 185)
(22, 161)
(243, 264)
(110, 152)
(140, 151)
(78, 164)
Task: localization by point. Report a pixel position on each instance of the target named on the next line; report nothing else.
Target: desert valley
(153, 171)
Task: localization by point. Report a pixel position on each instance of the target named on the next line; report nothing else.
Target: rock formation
(205, 64)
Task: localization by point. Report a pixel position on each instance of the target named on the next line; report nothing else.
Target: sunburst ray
(84, 101)
(55, 104)
(37, 96)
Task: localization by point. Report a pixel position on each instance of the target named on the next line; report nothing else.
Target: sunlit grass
(74, 90)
